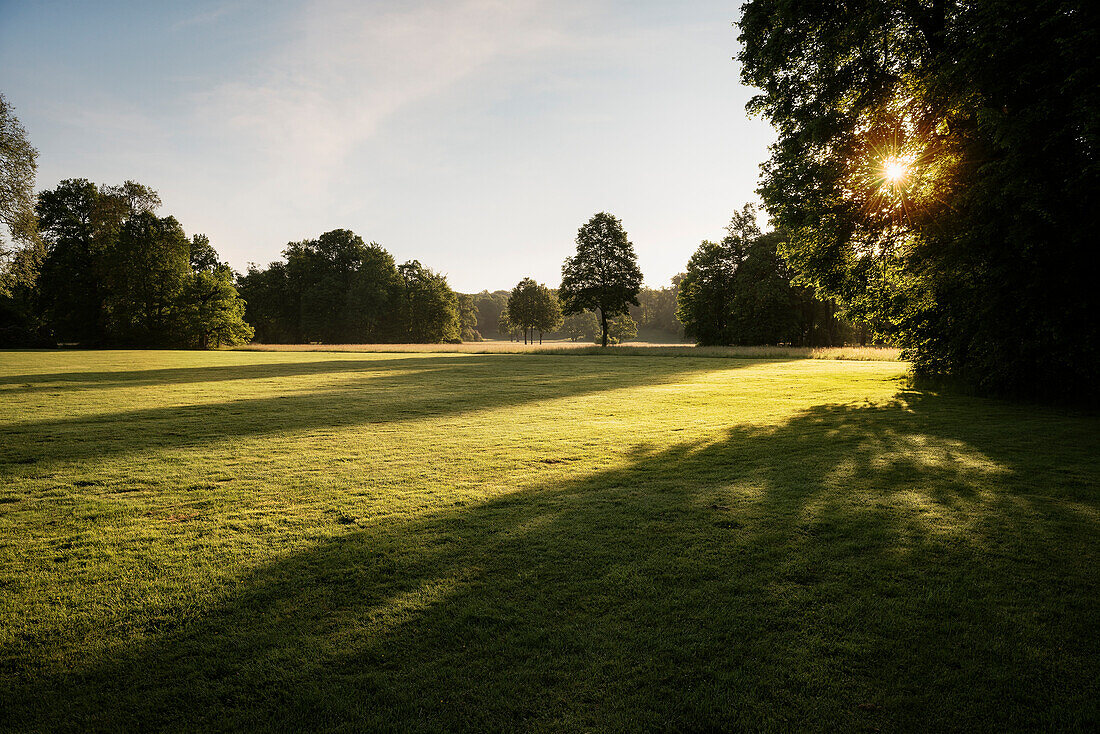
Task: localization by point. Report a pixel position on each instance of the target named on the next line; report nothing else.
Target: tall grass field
(418, 541)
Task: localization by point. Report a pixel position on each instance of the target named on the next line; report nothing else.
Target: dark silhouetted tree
(603, 276)
(936, 169)
(706, 293)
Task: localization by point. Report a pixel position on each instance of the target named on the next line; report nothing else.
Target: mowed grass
(582, 348)
(340, 541)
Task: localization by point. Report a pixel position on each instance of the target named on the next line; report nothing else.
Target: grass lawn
(417, 541)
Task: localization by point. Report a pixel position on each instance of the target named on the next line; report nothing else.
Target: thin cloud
(346, 68)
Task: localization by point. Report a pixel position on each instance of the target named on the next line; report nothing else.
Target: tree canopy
(533, 307)
(338, 289)
(935, 169)
(603, 275)
(18, 226)
(113, 272)
(741, 291)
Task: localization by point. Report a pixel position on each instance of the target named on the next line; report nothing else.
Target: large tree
(145, 270)
(706, 293)
(116, 273)
(603, 276)
(18, 226)
(936, 169)
(335, 288)
(764, 308)
(81, 223)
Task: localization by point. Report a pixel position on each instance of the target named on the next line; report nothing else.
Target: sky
(475, 136)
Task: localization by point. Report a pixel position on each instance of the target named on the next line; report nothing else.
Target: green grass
(634, 349)
(416, 541)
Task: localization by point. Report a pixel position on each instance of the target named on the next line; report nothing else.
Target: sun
(895, 170)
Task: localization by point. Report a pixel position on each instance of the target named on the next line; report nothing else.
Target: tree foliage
(935, 168)
(580, 325)
(489, 308)
(603, 275)
(533, 307)
(655, 313)
(741, 291)
(429, 313)
(115, 273)
(338, 289)
(18, 226)
(468, 318)
(621, 328)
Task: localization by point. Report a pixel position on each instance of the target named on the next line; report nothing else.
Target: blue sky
(473, 135)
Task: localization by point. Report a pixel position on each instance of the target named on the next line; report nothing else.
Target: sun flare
(895, 170)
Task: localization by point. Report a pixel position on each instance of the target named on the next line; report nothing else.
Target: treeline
(736, 291)
(104, 269)
(338, 289)
(95, 265)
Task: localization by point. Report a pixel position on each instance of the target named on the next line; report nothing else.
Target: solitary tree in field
(604, 273)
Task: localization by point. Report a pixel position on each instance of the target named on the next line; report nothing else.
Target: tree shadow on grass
(899, 567)
(386, 391)
(170, 376)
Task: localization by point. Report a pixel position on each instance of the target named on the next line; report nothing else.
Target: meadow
(426, 541)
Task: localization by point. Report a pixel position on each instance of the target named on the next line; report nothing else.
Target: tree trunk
(603, 326)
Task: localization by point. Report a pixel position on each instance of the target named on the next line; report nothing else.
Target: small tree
(604, 273)
(523, 306)
(533, 307)
(621, 328)
(212, 312)
(582, 325)
(547, 311)
(505, 325)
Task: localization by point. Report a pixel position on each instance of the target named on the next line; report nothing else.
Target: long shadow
(388, 391)
(896, 568)
(168, 376)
